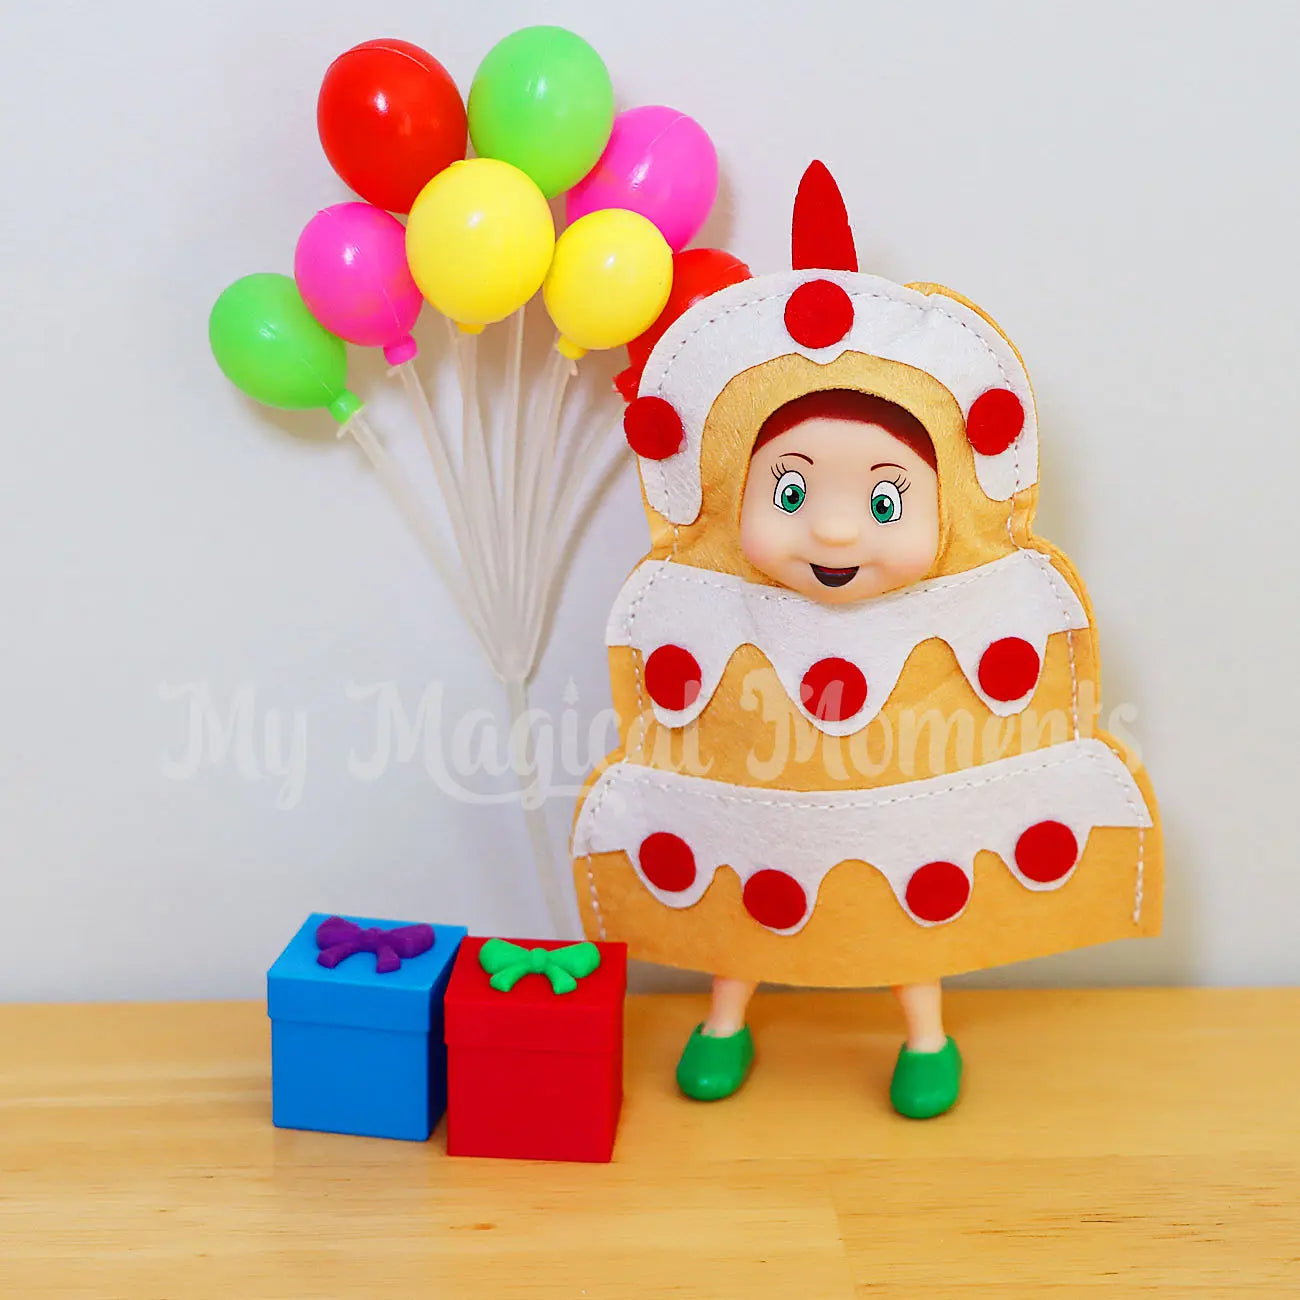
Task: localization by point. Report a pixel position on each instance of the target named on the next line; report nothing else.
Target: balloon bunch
(478, 244)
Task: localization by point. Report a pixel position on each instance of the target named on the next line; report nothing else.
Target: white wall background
(1116, 182)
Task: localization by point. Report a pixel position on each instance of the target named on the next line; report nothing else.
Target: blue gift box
(354, 1051)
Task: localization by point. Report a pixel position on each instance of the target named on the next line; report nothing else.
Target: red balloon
(697, 273)
(390, 119)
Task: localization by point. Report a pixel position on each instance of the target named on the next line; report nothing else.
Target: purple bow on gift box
(338, 939)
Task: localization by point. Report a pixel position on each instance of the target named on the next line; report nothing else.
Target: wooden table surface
(1147, 1141)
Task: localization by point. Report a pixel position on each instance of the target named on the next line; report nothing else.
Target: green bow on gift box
(508, 963)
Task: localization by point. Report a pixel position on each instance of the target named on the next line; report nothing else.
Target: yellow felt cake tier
(859, 936)
(752, 732)
(772, 743)
(656, 850)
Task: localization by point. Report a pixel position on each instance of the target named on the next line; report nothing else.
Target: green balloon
(543, 101)
(271, 347)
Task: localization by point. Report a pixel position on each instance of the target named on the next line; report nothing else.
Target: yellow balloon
(609, 280)
(479, 240)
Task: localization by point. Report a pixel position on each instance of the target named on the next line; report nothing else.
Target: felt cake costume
(880, 792)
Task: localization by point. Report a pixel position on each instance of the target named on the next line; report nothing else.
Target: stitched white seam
(1069, 646)
(591, 873)
(1074, 682)
(638, 665)
(1137, 888)
(926, 308)
(731, 582)
(647, 775)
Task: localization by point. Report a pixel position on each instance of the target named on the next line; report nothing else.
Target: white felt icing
(896, 828)
(713, 614)
(744, 325)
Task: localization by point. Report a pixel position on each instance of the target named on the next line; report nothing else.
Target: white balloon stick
(408, 503)
(513, 501)
(535, 444)
(538, 519)
(581, 489)
(510, 503)
(449, 485)
(476, 468)
(560, 903)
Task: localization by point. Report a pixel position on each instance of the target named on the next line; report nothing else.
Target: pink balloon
(658, 162)
(350, 266)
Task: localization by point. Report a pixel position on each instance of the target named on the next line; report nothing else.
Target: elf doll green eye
(790, 491)
(886, 502)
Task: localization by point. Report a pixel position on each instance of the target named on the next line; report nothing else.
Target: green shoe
(925, 1084)
(713, 1068)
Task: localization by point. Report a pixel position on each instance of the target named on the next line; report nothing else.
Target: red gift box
(533, 1074)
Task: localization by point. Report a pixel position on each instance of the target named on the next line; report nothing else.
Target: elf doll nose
(835, 529)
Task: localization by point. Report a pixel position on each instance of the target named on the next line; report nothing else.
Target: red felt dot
(818, 313)
(673, 677)
(653, 427)
(775, 899)
(937, 891)
(833, 689)
(1047, 851)
(1008, 669)
(667, 861)
(994, 421)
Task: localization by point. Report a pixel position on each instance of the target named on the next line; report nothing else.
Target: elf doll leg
(719, 1052)
(927, 1075)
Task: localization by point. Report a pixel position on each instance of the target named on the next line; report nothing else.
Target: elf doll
(857, 697)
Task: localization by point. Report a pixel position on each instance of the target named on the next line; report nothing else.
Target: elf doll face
(841, 509)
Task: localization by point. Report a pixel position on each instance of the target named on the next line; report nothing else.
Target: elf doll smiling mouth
(833, 577)
(842, 500)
